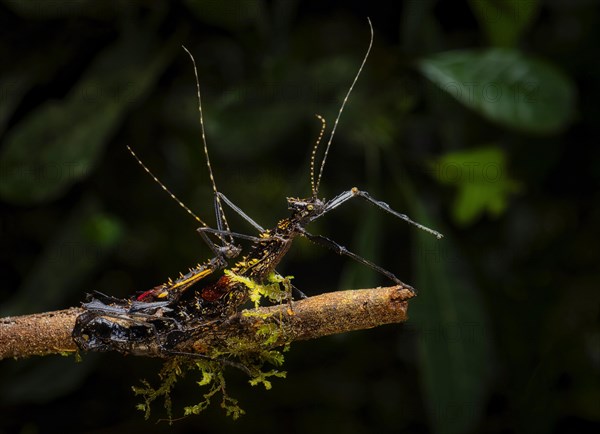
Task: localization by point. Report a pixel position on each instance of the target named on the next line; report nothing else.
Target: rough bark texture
(38, 334)
(326, 314)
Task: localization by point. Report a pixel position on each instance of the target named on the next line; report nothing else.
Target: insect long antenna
(316, 189)
(221, 219)
(313, 156)
(164, 187)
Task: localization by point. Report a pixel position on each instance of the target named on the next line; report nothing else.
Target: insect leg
(355, 192)
(100, 295)
(229, 233)
(227, 250)
(298, 291)
(238, 210)
(341, 250)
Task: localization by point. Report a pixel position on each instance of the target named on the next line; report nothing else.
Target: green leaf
(453, 335)
(504, 20)
(481, 179)
(59, 143)
(505, 86)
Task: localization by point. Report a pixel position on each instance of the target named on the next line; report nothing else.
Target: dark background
(495, 145)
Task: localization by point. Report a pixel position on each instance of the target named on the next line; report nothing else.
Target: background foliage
(478, 118)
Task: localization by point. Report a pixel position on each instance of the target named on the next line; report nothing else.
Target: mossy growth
(251, 356)
(277, 289)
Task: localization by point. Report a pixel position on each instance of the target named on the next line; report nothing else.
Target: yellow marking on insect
(192, 278)
(283, 224)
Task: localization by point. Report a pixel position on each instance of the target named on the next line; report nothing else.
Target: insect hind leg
(341, 250)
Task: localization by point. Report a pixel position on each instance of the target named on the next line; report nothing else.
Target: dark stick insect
(271, 245)
(161, 310)
(140, 325)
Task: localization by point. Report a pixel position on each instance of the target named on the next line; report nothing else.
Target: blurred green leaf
(73, 254)
(103, 230)
(505, 86)
(59, 143)
(454, 337)
(504, 20)
(481, 179)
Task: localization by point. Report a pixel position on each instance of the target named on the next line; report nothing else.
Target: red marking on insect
(149, 295)
(217, 290)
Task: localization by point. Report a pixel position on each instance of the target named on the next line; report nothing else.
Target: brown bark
(321, 315)
(38, 334)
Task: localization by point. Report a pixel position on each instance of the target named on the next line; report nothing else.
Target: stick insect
(227, 294)
(272, 244)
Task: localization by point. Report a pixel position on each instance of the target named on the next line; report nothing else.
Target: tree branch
(310, 318)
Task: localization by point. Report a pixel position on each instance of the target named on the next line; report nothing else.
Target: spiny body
(158, 319)
(225, 296)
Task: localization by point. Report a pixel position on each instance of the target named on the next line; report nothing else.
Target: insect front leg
(355, 192)
(203, 231)
(239, 211)
(228, 250)
(341, 250)
(222, 252)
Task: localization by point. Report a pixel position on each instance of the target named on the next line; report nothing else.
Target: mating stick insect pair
(156, 321)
